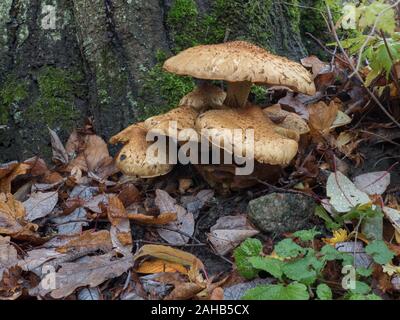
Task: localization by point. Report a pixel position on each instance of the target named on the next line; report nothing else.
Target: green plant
(298, 268)
(376, 40)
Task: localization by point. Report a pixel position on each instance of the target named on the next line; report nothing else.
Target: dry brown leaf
(314, 63)
(121, 236)
(164, 202)
(158, 265)
(40, 204)
(322, 116)
(59, 152)
(229, 232)
(12, 219)
(162, 219)
(217, 294)
(88, 271)
(100, 240)
(20, 169)
(173, 255)
(7, 168)
(8, 255)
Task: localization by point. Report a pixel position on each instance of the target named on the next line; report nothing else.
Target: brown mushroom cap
(132, 159)
(272, 144)
(204, 96)
(185, 117)
(240, 61)
(286, 119)
(125, 135)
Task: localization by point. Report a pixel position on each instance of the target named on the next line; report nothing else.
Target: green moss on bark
(12, 93)
(55, 104)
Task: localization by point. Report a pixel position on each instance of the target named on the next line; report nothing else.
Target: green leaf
(270, 265)
(329, 223)
(306, 235)
(379, 251)
(361, 288)
(330, 253)
(381, 11)
(288, 249)
(324, 292)
(364, 297)
(248, 248)
(294, 291)
(364, 272)
(304, 270)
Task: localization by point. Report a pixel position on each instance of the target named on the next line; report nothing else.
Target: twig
(355, 70)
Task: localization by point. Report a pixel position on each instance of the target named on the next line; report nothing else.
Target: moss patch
(12, 92)
(55, 105)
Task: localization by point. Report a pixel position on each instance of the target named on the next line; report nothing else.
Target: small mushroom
(273, 145)
(203, 97)
(133, 159)
(241, 64)
(286, 119)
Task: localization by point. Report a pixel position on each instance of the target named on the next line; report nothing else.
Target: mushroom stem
(237, 94)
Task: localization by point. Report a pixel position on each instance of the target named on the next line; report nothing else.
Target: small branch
(393, 74)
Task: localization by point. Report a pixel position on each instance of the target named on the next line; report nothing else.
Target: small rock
(236, 291)
(278, 213)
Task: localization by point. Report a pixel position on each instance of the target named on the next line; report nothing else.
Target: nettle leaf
(270, 265)
(324, 292)
(379, 251)
(361, 288)
(288, 249)
(249, 248)
(293, 291)
(306, 235)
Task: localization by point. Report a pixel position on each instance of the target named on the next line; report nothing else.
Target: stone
(277, 213)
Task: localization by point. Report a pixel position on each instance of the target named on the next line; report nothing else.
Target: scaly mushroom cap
(132, 159)
(125, 135)
(286, 119)
(241, 61)
(204, 96)
(184, 116)
(272, 144)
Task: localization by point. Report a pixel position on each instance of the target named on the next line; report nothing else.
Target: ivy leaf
(379, 251)
(324, 292)
(306, 235)
(294, 291)
(270, 265)
(248, 248)
(288, 249)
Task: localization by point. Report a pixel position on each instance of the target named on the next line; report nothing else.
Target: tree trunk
(64, 60)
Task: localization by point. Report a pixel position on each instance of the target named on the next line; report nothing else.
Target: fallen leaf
(373, 182)
(229, 232)
(100, 240)
(161, 219)
(343, 194)
(314, 63)
(322, 116)
(184, 226)
(40, 204)
(173, 255)
(217, 294)
(20, 169)
(164, 202)
(87, 271)
(59, 152)
(12, 219)
(294, 103)
(341, 119)
(8, 255)
(120, 231)
(158, 265)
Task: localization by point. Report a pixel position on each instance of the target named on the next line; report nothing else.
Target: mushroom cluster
(214, 113)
